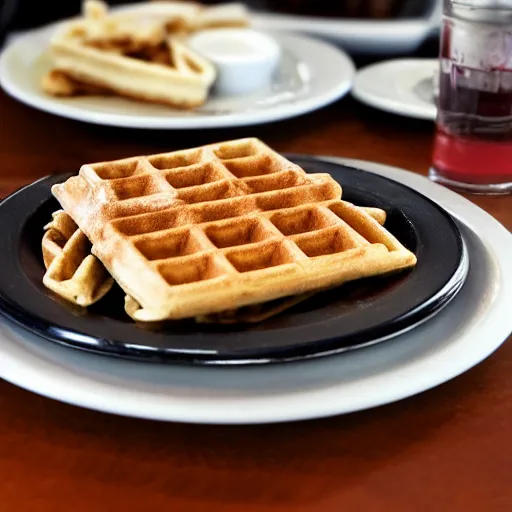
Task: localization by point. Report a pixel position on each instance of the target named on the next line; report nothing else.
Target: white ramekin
(245, 59)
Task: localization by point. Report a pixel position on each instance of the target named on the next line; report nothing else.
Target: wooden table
(448, 449)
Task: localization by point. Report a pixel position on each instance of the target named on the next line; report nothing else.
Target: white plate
(401, 86)
(312, 74)
(382, 37)
(473, 326)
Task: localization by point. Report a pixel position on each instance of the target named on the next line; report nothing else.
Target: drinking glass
(473, 139)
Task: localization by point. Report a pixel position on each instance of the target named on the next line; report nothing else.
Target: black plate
(351, 316)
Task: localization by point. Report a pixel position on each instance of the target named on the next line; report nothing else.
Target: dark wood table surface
(447, 449)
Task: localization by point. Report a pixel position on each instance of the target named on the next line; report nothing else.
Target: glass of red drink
(473, 140)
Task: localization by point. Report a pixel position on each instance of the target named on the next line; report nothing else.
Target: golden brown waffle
(255, 312)
(126, 31)
(128, 56)
(223, 226)
(190, 16)
(62, 228)
(230, 14)
(58, 83)
(72, 271)
(147, 24)
(177, 15)
(104, 53)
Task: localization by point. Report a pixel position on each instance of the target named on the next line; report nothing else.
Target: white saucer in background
(401, 86)
(472, 327)
(311, 75)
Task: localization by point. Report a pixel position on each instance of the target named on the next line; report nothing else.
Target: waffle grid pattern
(168, 73)
(221, 211)
(72, 272)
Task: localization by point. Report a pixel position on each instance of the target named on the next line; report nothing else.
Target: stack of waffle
(139, 54)
(227, 232)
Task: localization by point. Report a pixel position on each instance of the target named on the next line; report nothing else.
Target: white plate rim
(397, 36)
(340, 61)
(56, 381)
(419, 110)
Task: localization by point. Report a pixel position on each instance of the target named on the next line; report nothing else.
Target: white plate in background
(380, 37)
(312, 74)
(472, 327)
(399, 86)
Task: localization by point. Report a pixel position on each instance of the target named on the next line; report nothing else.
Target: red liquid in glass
(472, 160)
(473, 141)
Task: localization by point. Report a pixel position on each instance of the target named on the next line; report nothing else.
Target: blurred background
(18, 15)
(27, 13)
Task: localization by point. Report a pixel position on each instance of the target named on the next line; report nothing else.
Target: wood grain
(448, 449)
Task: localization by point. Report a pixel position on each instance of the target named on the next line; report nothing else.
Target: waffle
(72, 271)
(132, 30)
(149, 23)
(104, 53)
(220, 227)
(190, 16)
(89, 280)
(58, 83)
(220, 16)
(132, 59)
